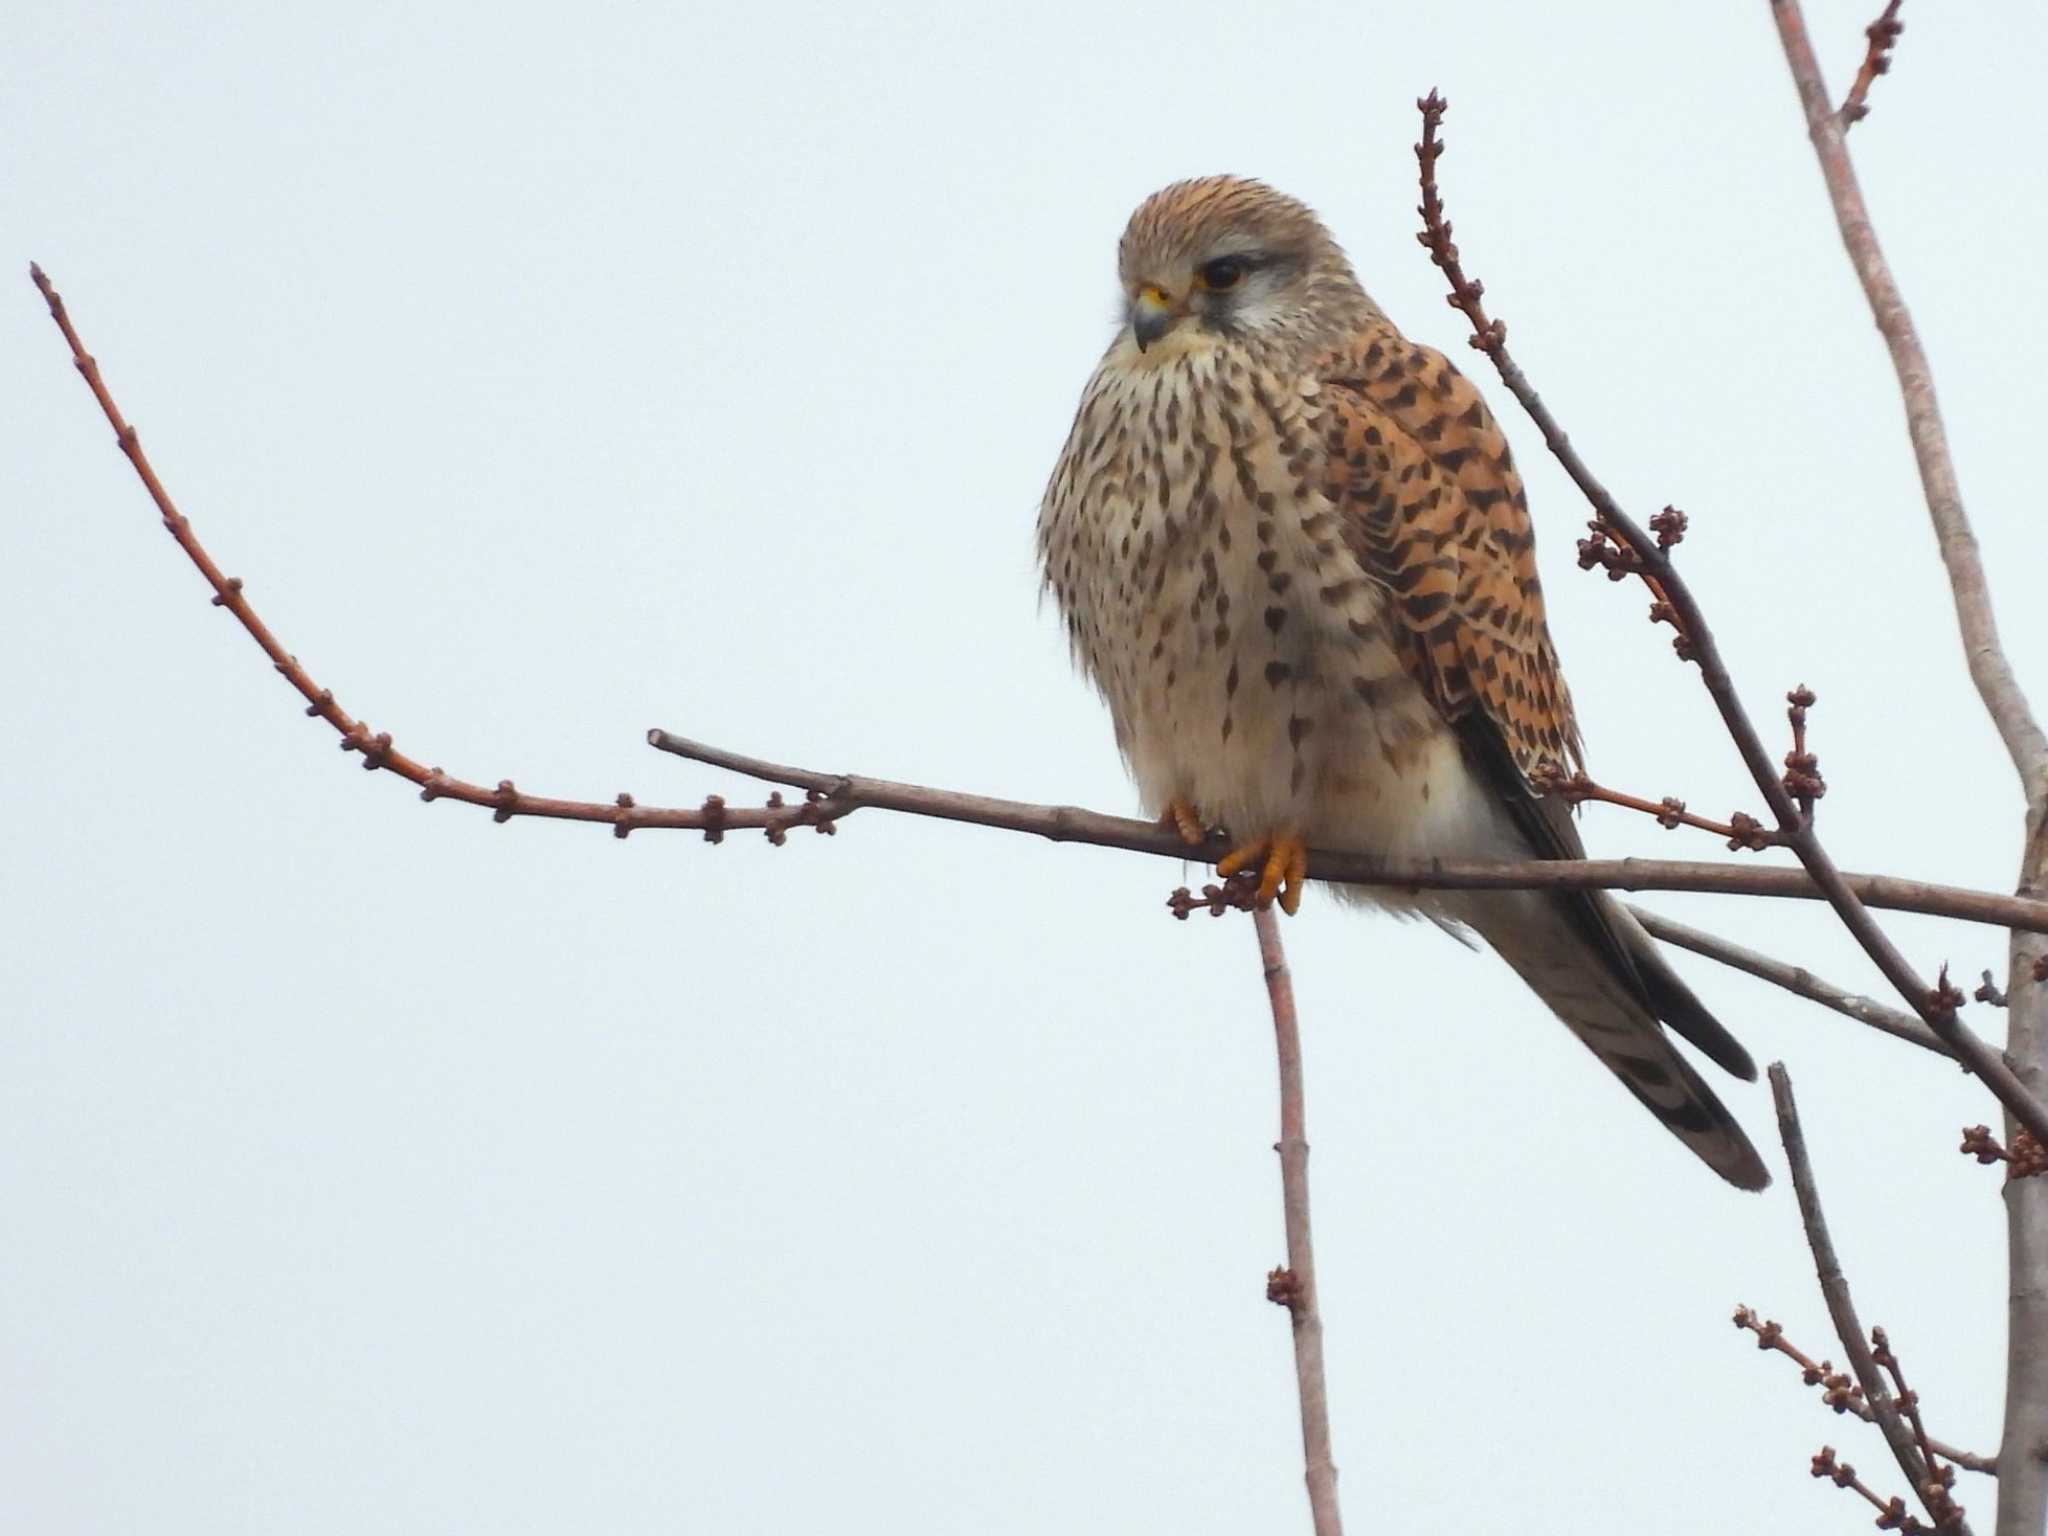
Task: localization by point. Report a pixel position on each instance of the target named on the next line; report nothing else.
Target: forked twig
(1842, 1394)
(1834, 1289)
(1936, 1493)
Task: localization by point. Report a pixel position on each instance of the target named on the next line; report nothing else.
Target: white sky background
(367, 1166)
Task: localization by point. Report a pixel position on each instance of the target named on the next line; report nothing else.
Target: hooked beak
(1153, 313)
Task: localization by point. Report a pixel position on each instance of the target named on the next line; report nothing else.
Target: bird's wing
(1432, 506)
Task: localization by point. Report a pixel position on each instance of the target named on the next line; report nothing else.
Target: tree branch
(1295, 1286)
(1793, 978)
(1843, 1395)
(2023, 1464)
(843, 793)
(1648, 557)
(1740, 829)
(1834, 1289)
(1989, 669)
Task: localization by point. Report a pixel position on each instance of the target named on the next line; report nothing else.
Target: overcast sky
(365, 1166)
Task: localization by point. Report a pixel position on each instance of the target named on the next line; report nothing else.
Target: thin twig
(504, 800)
(1295, 1286)
(1742, 831)
(1940, 1479)
(1802, 768)
(1649, 557)
(1891, 1513)
(1883, 34)
(1839, 1392)
(1834, 1288)
(1794, 978)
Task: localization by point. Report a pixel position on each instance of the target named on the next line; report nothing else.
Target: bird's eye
(1224, 272)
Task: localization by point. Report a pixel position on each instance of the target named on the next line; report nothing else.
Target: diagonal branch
(1834, 1289)
(506, 801)
(1649, 557)
(1793, 978)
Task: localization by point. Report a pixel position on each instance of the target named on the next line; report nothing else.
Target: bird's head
(1224, 259)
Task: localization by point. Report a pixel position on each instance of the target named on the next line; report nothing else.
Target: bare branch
(1741, 830)
(1834, 1289)
(1891, 1512)
(844, 793)
(1990, 670)
(505, 800)
(1295, 1286)
(2023, 1495)
(1941, 1480)
(1624, 547)
(1842, 1394)
(1794, 978)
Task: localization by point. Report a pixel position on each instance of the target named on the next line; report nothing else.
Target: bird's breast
(1207, 587)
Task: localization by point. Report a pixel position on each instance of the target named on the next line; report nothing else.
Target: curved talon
(1187, 821)
(1285, 867)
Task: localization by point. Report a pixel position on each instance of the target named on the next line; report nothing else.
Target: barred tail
(1611, 988)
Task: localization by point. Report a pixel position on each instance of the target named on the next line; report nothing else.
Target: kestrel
(1292, 550)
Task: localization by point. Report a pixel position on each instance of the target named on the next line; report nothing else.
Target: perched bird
(1291, 548)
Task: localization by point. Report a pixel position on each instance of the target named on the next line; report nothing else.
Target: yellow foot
(1286, 866)
(1187, 821)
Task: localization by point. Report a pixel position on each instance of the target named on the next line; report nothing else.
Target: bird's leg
(1285, 858)
(1182, 816)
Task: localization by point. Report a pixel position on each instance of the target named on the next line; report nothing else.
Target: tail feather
(1611, 994)
(1673, 1001)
